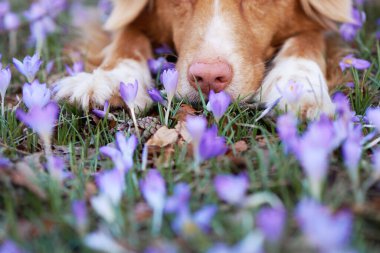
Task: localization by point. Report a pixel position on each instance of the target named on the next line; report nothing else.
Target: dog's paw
(301, 86)
(94, 89)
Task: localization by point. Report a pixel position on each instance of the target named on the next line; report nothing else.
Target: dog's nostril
(220, 79)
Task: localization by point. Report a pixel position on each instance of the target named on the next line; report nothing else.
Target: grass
(36, 212)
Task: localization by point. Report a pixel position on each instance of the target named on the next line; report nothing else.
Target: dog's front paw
(301, 87)
(94, 89)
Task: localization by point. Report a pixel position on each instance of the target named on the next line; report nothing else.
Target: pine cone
(148, 126)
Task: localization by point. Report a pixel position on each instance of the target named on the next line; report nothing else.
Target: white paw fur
(314, 99)
(94, 89)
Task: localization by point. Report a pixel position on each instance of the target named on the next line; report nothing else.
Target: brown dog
(221, 44)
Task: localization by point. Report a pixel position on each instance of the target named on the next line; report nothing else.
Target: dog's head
(225, 44)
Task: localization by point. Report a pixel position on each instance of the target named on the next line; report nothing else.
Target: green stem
(168, 111)
(2, 106)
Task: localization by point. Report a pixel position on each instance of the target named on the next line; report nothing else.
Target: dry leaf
(241, 146)
(183, 132)
(163, 137)
(184, 111)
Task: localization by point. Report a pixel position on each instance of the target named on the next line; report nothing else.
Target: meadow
(251, 180)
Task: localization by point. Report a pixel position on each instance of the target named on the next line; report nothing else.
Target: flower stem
(135, 122)
(157, 221)
(2, 106)
(168, 111)
(48, 152)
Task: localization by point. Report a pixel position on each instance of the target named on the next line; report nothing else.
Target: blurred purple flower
(211, 145)
(41, 119)
(231, 189)
(342, 107)
(129, 92)
(49, 67)
(104, 207)
(9, 246)
(5, 80)
(352, 149)
(28, 67)
(77, 68)
(5, 163)
(179, 199)
(155, 95)
(349, 30)
(196, 125)
(156, 65)
(287, 131)
(101, 241)
(11, 21)
(79, 211)
(218, 103)
(111, 183)
(271, 222)
(35, 94)
(292, 92)
(122, 155)
(154, 190)
(251, 243)
(164, 49)
(4, 8)
(373, 115)
(58, 169)
(350, 61)
(169, 78)
(102, 113)
(326, 232)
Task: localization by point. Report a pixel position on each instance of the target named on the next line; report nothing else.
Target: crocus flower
(169, 79)
(373, 115)
(29, 67)
(251, 243)
(122, 155)
(79, 211)
(103, 113)
(77, 68)
(211, 145)
(104, 207)
(155, 95)
(196, 125)
(180, 198)
(111, 184)
(324, 231)
(230, 188)
(57, 169)
(271, 222)
(350, 61)
(101, 241)
(41, 119)
(287, 131)
(11, 21)
(218, 103)
(292, 92)
(352, 152)
(348, 31)
(164, 49)
(35, 94)
(128, 93)
(9, 246)
(5, 80)
(155, 65)
(154, 191)
(4, 8)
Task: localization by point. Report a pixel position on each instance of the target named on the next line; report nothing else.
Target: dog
(248, 48)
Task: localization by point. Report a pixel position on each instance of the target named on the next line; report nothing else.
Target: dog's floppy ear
(327, 12)
(123, 13)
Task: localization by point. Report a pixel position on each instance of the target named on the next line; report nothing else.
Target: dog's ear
(327, 12)
(123, 13)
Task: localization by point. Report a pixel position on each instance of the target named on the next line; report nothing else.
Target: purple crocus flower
(49, 67)
(155, 95)
(352, 150)
(35, 94)
(180, 198)
(230, 188)
(156, 65)
(79, 211)
(343, 107)
(104, 207)
(57, 169)
(154, 190)
(77, 68)
(122, 155)
(102, 241)
(164, 49)
(28, 67)
(4, 8)
(349, 30)
(196, 125)
(292, 92)
(211, 145)
(112, 184)
(271, 221)
(41, 119)
(102, 113)
(11, 21)
(9, 246)
(350, 61)
(324, 231)
(218, 103)
(129, 92)
(169, 78)
(5, 80)
(373, 115)
(287, 131)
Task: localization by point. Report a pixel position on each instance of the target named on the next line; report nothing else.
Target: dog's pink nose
(214, 76)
